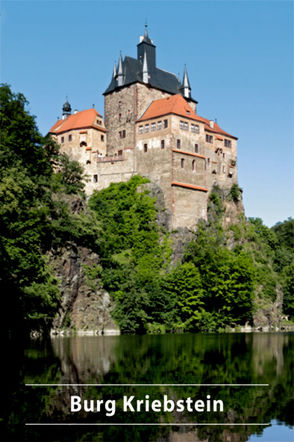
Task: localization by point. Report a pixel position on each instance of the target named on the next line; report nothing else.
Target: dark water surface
(167, 359)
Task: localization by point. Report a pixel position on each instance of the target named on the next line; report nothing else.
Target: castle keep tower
(135, 83)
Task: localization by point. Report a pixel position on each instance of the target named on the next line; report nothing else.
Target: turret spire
(145, 69)
(114, 70)
(120, 75)
(146, 32)
(186, 88)
(66, 109)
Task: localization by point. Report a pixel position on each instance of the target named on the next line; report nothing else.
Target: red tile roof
(176, 104)
(189, 186)
(80, 120)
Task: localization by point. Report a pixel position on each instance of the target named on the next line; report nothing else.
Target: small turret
(185, 87)
(66, 109)
(114, 71)
(120, 75)
(145, 69)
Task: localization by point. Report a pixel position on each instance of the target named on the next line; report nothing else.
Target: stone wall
(122, 108)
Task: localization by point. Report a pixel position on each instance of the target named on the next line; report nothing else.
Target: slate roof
(158, 78)
(80, 120)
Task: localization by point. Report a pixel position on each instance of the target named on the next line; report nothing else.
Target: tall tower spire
(186, 88)
(120, 74)
(146, 36)
(146, 45)
(145, 69)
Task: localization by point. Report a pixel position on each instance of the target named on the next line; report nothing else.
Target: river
(252, 375)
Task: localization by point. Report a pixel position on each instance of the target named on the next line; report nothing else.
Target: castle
(151, 127)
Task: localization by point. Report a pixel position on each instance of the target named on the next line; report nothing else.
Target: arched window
(193, 165)
(182, 163)
(83, 144)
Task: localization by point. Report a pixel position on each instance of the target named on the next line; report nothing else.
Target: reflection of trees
(254, 358)
(84, 359)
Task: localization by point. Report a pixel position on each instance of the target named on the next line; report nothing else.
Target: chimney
(211, 124)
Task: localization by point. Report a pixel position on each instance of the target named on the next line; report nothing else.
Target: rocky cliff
(85, 306)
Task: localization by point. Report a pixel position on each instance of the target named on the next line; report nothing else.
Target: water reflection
(169, 359)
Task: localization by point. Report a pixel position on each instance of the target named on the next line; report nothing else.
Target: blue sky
(239, 57)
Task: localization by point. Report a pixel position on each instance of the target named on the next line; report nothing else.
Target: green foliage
(132, 253)
(235, 192)
(36, 184)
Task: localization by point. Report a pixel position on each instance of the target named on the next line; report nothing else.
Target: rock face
(85, 306)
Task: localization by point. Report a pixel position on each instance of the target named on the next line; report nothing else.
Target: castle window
(228, 143)
(209, 138)
(95, 178)
(88, 162)
(119, 104)
(162, 144)
(122, 134)
(224, 169)
(182, 163)
(184, 125)
(120, 153)
(119, 117)
(165, 123)
(193, 165)
(99, 122)
(145, 148)
(83, 144)
(102, 137)
(62, 139)
(140, 129)
(224, 155)
(146, 128)
(208, 161)
(159, 125)
(153, 127)
(69, 137)
(178, 144)
(196, 148)
(195, 128)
